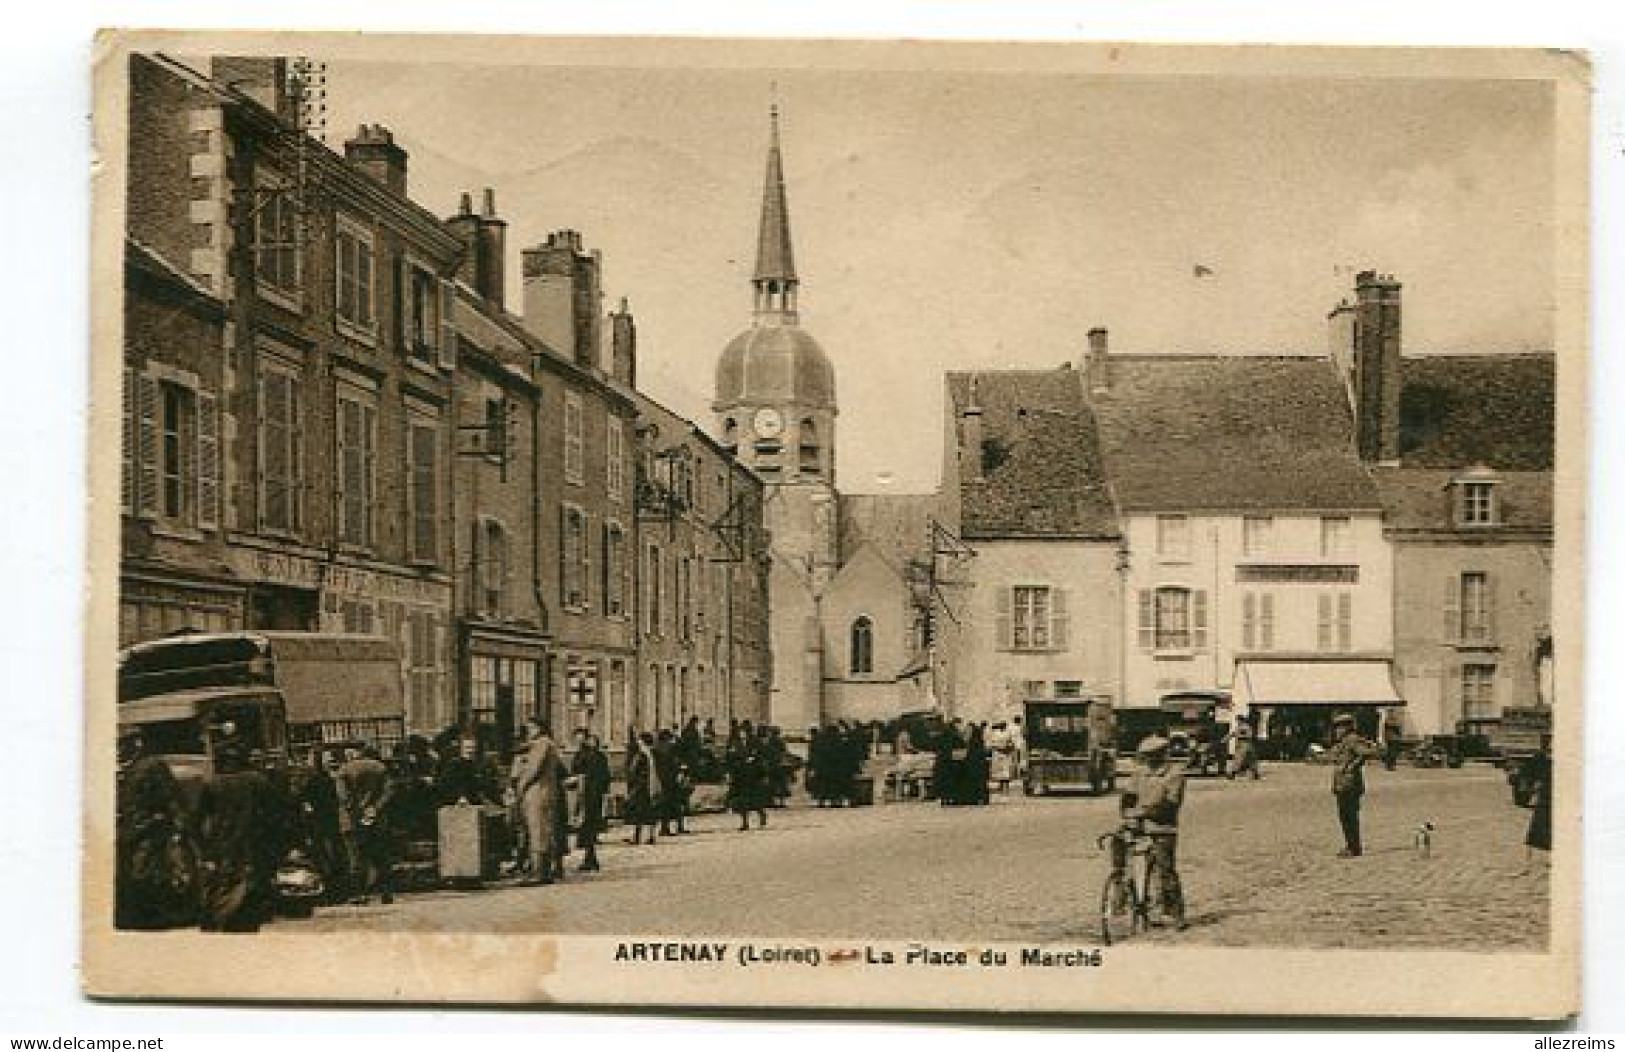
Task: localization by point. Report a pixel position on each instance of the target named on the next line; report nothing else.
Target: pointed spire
(774, 259)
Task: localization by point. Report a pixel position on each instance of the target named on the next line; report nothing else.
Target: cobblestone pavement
(1257, 858)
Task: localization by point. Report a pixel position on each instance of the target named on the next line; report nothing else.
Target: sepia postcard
(1064, 528)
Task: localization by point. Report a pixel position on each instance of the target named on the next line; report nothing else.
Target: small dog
(1424, 840)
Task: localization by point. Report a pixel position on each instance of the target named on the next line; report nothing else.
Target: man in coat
(365, 788)
(1348, 757)
(1158, 793)
(155, 880)
(591, 769)
(1245, 752)
(537, 781)
(242, 836)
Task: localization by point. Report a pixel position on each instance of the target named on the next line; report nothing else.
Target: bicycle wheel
(1117, 909)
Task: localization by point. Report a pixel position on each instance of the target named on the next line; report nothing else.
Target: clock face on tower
(769, 424)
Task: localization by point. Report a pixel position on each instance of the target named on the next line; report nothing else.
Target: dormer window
(1476, 498)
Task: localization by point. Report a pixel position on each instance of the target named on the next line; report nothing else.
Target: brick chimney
(485, 246)
(971, 435)
(623, 345)
(1096, 368)
(262, 78)
(373, 150)
(563, 300)
(1376, 360)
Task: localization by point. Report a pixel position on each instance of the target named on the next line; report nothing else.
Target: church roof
(896, 525)
(775, 260)
(1043, 475)
(768, 364)
(1457, 410)
(1230, 433)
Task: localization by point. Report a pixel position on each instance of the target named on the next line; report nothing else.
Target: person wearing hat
(1348, 757)
(1156, 793)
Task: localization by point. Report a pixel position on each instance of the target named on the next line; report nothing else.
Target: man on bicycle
(1155, 796)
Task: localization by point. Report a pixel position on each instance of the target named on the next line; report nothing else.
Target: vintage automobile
(1070, 745)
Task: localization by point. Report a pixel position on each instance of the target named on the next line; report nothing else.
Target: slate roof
(1043, 472)
(1498, 410)
(1230, 433)
(897, 526)
(1420, 499)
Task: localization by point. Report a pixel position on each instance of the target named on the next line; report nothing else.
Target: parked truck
(1071, 745)
(278, 693)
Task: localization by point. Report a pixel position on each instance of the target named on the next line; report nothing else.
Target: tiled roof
(1231, 433)
(1043, 474)
(1460, 410)
(1421, 499)
(897, 526)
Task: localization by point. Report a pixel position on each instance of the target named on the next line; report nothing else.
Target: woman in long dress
(537, 780)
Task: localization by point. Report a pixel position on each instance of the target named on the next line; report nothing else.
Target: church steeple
(775, 279)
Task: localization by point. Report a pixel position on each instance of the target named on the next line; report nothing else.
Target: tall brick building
(297, 447)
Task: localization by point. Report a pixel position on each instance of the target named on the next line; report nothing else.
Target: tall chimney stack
(971, 436)
(623, 345)
(373, 150)
(260, 77)
(1377, 378)
(1096, 370)
(563, 300)
(485, 246)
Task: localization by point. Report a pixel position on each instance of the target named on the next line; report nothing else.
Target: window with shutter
(448, 325)
(1323, 622)
(1147, 620)
(1452, 609)
(208, 461)
(423, 496)
(1249, 621)
(1003, 629)
(147, 446)
(574, 441)
(127, 480)
(1345, 621)
(1266, 621)
(1199, 620)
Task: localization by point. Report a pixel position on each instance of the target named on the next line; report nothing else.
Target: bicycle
(1126, 899)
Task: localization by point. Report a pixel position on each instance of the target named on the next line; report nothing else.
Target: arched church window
(863, 646)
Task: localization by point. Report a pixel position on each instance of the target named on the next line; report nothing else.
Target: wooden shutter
(1249, 620)
(296, 458)
(1489, 608)
(208, 461)
(146, 446)
(584, 553)
(1266, 621)
(564, 557)
(1345, 621)
(1323, 621)
(1003, 622)
(1057, 619)
(127, 451)
(400, 310)
(1452, 609)
(1199, 619)
(1148, 619)
(448, 327)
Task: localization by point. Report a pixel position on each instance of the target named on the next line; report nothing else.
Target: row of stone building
(334, 423)
(1264, 535)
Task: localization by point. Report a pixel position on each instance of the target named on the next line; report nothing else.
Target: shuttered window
(423, 490)
(574, 441)
(355, 294)
(614, 466)
(357, 445)
(207, 419)
(574, 558)
(1477, 608)
(281, 452)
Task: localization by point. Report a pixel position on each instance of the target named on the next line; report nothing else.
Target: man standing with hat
(1158, 792)
(1348, 757)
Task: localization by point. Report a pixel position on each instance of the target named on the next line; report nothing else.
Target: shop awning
(1260, 683)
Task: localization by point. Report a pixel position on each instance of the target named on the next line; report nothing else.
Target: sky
(954, 220)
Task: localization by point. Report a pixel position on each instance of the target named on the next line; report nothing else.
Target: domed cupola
(775, 387)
